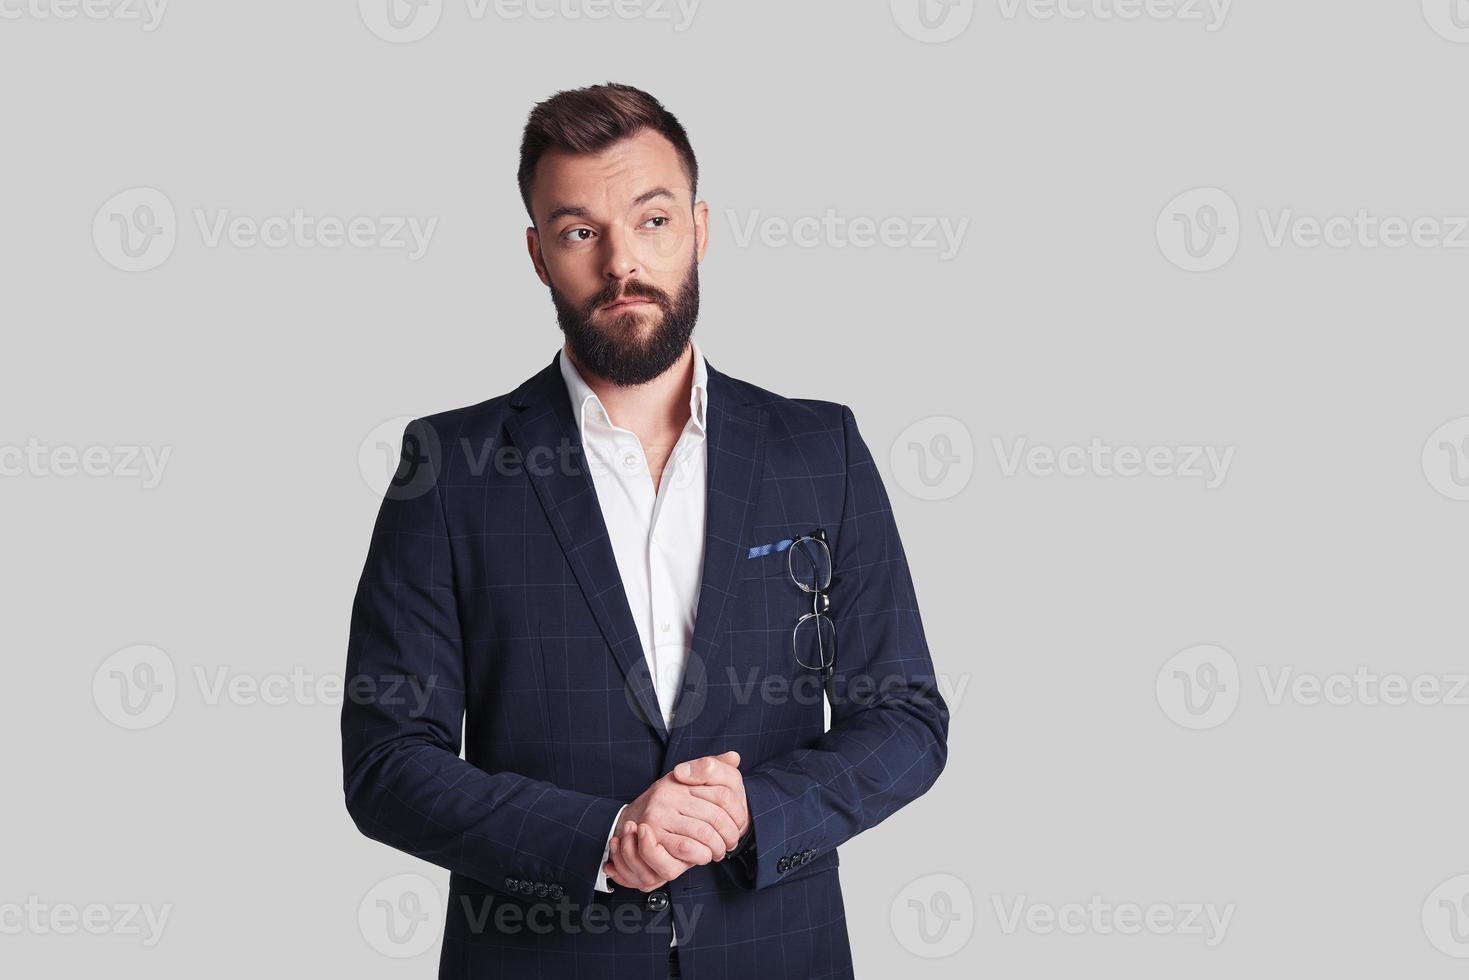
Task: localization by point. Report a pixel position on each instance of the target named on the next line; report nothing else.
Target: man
(636, 582)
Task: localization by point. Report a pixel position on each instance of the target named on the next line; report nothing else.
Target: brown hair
(586, 120)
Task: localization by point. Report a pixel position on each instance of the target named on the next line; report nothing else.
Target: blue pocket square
(761, 550)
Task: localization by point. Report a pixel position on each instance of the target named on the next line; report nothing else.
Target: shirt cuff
(601, 884)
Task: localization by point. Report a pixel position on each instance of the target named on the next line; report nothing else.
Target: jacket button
(526, 888)
(541, 890)
(783, 865)
(657, 901)
(512, 884)
(557, 891)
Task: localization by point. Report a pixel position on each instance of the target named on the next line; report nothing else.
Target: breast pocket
(770, 556)
(768, 597)
(761, 624)
(767, 602)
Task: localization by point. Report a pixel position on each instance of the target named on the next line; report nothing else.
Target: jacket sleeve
(403, 712)
(889, 725)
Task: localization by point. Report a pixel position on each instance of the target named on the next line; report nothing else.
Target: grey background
(1052, 603)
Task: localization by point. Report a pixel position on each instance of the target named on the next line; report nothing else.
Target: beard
(616, 351)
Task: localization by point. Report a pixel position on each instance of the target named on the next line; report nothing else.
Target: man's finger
(662, 864)
(706, 823)
(640, 875)
(729, 798)
(710, 812)
(620, 872)
(710, 770)
(690, 849)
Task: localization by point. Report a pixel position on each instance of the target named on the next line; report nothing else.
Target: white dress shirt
(657, 535)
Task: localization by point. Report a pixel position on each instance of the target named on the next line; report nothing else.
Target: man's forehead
(622, 174)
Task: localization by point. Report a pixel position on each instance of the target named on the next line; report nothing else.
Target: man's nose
(620, 262)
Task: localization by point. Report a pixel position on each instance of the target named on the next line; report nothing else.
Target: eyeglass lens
(810, 564)
(815, 641)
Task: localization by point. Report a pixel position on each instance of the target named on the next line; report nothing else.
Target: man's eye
(576, 235)
(657, 221)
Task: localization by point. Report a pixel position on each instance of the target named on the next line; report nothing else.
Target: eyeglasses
(814, 638)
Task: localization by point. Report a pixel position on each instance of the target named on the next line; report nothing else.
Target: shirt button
(629, 460)
(663, 627)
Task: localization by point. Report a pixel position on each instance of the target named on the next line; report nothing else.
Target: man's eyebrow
(576, 211)
(647, 196)
(566, 211)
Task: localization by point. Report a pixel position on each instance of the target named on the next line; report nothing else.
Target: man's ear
(533, 246)
(701, 229)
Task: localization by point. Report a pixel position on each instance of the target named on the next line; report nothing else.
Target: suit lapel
(736, 455)
(563, 483)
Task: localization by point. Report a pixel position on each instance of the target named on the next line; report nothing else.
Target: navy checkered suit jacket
(491, 584)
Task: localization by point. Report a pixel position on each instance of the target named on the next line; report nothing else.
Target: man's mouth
(627, 302)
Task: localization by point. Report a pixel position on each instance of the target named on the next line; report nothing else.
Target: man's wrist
(601, 883)
(744, 846)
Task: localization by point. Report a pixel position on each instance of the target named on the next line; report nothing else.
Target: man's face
(618, 240)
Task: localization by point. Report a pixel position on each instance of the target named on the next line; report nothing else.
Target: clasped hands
(693, 815)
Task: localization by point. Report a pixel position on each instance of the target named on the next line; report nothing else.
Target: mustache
(615, 292)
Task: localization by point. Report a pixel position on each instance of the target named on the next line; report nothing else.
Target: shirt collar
(582, 395)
